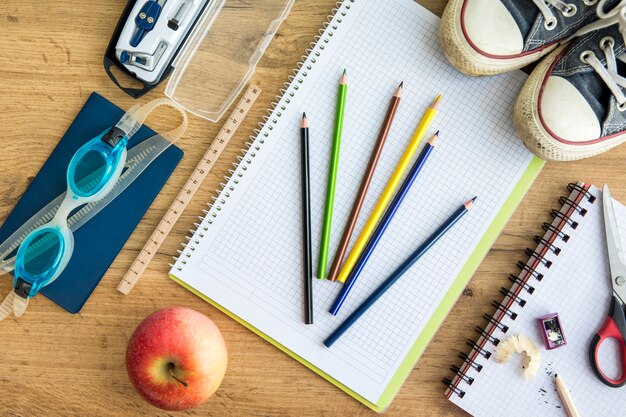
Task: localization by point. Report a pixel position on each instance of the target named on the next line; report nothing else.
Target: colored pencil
(397, 274)
(365, 183)
(382, 226)
(332, 176)
(389, 190)
(306, 222)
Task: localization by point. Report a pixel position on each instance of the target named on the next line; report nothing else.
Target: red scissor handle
(613, 328)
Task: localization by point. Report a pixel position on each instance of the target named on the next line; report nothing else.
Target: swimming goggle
(92, 173)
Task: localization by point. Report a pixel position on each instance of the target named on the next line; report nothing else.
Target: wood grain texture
(56, 364)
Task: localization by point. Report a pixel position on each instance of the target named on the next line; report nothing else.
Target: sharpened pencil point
(398, 92)
(344, 78)
(435, 103)
(433, 139)
(304, 123)
(469, 203)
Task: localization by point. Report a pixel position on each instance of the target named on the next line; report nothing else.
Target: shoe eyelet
(549, 24)
(571, 10)
(590, 2)
(621, 107)
(607, 41)
(585, 55)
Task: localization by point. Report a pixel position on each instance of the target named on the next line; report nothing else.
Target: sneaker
(482, 37)
(573, 104)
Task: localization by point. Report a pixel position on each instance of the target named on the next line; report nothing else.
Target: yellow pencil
(387, 193)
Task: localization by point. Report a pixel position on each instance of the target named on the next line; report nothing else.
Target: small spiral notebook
(567, 273)
(246, 256)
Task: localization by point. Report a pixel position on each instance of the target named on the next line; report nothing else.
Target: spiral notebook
(246, 256)
(567, 273)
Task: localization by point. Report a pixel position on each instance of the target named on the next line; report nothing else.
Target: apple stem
(171, 369)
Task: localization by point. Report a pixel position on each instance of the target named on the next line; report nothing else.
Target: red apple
(176, 358)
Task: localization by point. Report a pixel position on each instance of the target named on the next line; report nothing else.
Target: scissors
(615, 325)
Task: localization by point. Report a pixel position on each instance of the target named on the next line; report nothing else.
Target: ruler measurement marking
(191, 186)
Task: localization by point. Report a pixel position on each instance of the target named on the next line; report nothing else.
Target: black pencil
(306, 222)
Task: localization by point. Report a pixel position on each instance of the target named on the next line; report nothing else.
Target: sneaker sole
(465, 58)
(532, 131)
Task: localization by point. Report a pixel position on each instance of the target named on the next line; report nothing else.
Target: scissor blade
(614, 245)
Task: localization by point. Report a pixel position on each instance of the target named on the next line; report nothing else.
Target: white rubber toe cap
(491, 28)
(566, 113)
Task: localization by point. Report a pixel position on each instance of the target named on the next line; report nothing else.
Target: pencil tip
(344, 78)
(436, 102)
(469, 203)
(304, 123)
(433, 139)
(474, 199)
(344, 71)
(399, 90)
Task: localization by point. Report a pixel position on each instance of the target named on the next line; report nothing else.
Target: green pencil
(332, 177)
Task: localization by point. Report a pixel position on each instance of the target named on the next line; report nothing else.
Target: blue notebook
(97, 243)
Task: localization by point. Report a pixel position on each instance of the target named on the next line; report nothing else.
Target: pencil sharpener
(551, 331)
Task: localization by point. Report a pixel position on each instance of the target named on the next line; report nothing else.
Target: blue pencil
(382, 226)
(397, 274)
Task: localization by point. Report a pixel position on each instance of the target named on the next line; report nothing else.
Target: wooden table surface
(56, 364)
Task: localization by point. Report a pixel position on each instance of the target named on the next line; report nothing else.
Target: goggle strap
(129, 124)
(137, 115)
(6, 308)
(19, 306)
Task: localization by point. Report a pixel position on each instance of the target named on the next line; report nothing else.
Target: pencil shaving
(520, 344)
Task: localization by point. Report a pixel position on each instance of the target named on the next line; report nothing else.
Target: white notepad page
(577, 286)
(247, 255)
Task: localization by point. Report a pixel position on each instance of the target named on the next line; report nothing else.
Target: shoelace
(608, 73)
(566, 9)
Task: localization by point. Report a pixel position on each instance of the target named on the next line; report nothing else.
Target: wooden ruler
(191, 186)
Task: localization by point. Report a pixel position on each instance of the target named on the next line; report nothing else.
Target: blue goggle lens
(94, 165)
(40, 255)
(89, 172)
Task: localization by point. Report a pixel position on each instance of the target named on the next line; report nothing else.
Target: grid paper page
(249, 258)
(577, 286)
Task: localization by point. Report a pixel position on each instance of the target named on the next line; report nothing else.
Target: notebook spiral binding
(523, 286)
(265, 127)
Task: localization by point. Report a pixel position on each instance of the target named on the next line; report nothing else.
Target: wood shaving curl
(520, 344)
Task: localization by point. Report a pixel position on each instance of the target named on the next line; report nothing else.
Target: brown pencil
(365, 183)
